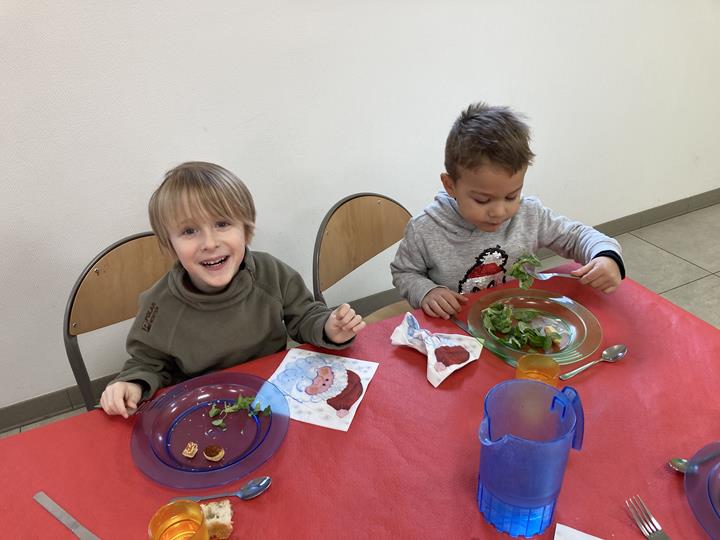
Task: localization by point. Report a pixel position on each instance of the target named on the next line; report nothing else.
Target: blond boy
(221, 304)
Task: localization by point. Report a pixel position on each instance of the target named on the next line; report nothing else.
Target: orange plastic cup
(538, 367)
(178, 520)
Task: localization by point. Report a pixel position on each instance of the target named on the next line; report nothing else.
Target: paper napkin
(563, 532)
(323, 389)
(446, 353)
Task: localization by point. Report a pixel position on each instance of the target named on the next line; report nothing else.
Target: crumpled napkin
(446, 353)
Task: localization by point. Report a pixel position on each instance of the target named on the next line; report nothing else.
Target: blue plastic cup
(526, 436)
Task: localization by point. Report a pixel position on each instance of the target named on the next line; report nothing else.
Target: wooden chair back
(353, 231)
(107, 293)
(109, 288)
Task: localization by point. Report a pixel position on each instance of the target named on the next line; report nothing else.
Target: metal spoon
(678, 464)
(252, 489)
(611, 354)
(682, 466)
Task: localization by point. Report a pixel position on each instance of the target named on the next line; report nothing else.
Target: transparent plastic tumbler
(526, 435)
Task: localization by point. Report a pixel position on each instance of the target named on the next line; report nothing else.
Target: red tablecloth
(407, 468)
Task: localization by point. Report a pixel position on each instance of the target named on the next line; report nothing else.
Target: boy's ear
(448, 183)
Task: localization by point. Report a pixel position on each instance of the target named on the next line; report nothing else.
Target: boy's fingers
(579, 272)
(441, 311)
(450, 306)
(359, 327)
(353, 322)
(429, 310)
(119, 404)
(342, 310)
(460, 297)
(349, 317)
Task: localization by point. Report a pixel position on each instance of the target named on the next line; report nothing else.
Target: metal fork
(644, 519)
(542, 276)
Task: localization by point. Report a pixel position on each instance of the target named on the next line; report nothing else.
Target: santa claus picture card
(323, 389)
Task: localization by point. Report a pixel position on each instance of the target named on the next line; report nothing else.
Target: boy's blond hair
(486, 134)
(197, 189)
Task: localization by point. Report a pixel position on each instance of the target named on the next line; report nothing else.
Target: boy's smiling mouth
(214, 263)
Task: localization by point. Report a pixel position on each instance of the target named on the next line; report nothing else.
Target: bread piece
(214, 452)
(191, 449)
(218, 518)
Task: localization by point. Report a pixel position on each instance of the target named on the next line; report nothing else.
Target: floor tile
(693, 236)
(701, 298)
(552, 262)
(655, 268)
(51, 419)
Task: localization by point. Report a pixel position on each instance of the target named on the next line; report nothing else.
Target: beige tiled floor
(678, 258)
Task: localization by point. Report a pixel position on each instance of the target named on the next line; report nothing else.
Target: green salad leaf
(518, 271)
(243, 403)
(512, 327)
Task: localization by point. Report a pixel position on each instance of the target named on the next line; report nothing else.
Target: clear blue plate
(702, 487)
(163, 429)
(576, 322)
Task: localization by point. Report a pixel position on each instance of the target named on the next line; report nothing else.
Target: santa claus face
(321, 382)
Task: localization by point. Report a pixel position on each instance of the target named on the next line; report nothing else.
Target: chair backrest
(107, 293)
(353, 231)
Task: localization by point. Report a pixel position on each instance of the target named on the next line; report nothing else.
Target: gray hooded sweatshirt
(440, 248)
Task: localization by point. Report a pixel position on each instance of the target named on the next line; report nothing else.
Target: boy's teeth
(215, 262)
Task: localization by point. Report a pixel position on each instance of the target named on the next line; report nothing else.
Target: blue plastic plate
(162, 431)
(702, 487)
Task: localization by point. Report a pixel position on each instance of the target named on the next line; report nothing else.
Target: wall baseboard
(60, 401)
(48, 405)
(660, 213)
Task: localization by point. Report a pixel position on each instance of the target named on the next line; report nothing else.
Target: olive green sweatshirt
(179, 332)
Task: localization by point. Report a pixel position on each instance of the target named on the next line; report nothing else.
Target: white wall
(312, 100)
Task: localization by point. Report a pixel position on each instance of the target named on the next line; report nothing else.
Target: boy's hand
(343, 324)
(600, 273)
(442, 302)
(121, 398)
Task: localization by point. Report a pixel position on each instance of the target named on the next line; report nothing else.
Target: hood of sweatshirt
(444, 211)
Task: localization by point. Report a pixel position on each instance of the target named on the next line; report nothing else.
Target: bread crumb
(190, 450)
(214, 452)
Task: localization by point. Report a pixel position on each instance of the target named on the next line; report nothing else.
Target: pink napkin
(446, 353)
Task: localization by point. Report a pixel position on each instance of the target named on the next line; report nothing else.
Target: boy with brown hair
(473, 232)
(221, 304)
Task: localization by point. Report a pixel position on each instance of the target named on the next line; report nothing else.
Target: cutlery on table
(542, 276)
(681, 465)
(63, 517)
(611, 354)
(134, 411)
(252, 489)
(461, 325)
(678, 464)
(644, 519)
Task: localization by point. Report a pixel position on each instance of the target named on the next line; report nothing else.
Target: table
(407, 468)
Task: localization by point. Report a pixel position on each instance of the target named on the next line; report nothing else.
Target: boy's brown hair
(199, 189)
(482, 134)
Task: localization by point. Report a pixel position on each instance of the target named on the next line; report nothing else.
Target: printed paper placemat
(323, 389)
